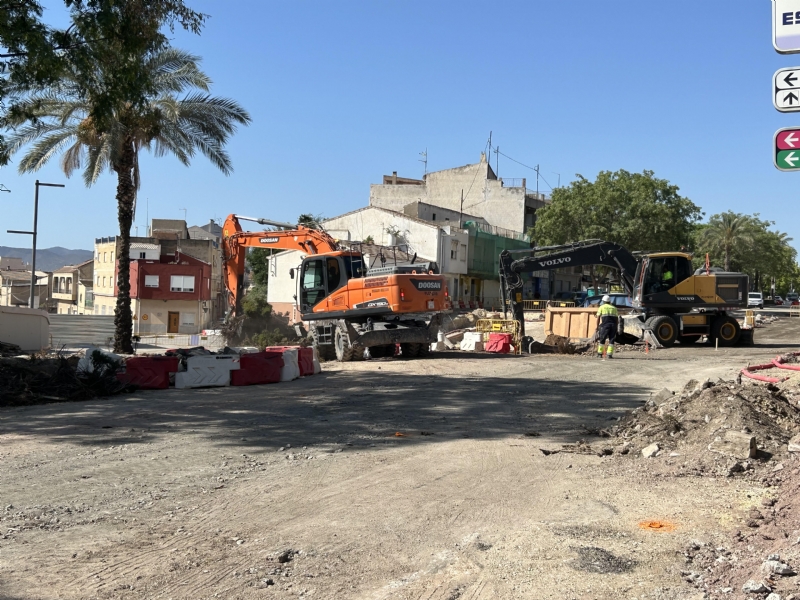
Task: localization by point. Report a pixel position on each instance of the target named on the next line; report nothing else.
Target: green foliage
(254, 303)
(309, 220)
(747, 244)
(636, 210)
(105, 50)
(267, 338)
(258, 261)
(369, 240)
(104, 127)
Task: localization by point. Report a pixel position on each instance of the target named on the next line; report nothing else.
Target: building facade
(71, 290)
(15, 288)
(169, 243)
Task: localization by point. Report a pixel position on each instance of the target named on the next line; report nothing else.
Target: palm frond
(45, 148)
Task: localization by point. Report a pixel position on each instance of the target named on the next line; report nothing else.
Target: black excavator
(672, 300)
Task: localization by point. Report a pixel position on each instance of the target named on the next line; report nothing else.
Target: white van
(755, 299)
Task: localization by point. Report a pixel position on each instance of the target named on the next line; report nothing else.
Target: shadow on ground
(343, 408)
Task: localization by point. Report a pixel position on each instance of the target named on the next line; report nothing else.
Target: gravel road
(417, 479)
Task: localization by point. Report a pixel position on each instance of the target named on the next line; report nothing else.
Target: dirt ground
(419, 479)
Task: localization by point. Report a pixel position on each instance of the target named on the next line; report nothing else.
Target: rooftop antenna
(4, 188)
(537, 180)
(184, 212)
(559, 179)
(147, 218)
(424, 161)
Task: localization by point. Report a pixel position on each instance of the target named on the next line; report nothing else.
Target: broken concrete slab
(650, 451)
(794, 444)
(736, 444)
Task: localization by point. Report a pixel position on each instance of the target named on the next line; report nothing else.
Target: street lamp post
(33, 233)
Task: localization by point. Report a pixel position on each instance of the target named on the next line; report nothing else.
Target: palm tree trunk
(126, 193)
(727, 258)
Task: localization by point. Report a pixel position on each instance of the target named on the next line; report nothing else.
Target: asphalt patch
(597, 560)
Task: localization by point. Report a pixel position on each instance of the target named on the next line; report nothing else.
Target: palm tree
(725, 232)
(165, 124)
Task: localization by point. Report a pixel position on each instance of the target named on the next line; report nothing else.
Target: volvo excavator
(672, 300)
(348, 305)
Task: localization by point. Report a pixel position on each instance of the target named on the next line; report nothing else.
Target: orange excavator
(349, 306)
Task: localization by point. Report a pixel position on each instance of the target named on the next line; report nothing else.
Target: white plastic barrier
(291, 366)
(317, 366)
(207, 371)
(28, 328)
(472, 341)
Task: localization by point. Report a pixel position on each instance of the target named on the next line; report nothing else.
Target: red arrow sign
(788, 139)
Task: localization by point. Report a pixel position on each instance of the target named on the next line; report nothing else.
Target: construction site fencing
(172, 340)
(487, 326)
(794, 311)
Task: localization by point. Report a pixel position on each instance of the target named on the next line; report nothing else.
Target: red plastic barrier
(305, 358)
(258, 368)
(499, 343)
(149, 372)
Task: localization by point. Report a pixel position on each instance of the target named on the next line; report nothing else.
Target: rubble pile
(724, 427)
(34, 380)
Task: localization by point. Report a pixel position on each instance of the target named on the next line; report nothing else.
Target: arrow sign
(786, 149)
(786, 88)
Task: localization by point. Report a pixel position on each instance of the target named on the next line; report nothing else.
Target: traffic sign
(786, 149)
(786, 89)
(786, 26)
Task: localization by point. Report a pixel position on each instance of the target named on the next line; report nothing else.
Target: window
(68, 289)
(103, 310)
(453, 249)
(97, 280)
(334, 274)
(112, 256)
(181, 283)
(142, 254)
(104, 282)
(105, 256)
(462, 255)
(151, 281)
(187, 318)
(434, 217)
(312, 290)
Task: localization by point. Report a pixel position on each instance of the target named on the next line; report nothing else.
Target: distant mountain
(49, 259)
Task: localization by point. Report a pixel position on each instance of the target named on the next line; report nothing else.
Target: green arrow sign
(788, 159)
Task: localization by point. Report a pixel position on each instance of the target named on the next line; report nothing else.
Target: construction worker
(607, 324)
(667, 278)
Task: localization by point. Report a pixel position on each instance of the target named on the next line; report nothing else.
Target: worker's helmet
(606, 299)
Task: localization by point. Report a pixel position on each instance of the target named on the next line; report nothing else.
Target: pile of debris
(720, 428)
(26, 380)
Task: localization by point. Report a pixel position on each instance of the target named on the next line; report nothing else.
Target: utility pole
(497, 161)
(34, 234)
(424, 161)
(537, 181)
(461, 213)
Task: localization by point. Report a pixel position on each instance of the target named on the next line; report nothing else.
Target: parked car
(777, 300)
(755, 299)
(792, 298)
(618, 300)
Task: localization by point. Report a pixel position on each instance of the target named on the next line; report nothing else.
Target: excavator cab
(321, 275)
(659, 273)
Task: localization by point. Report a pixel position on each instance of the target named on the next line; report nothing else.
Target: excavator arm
(235, 242)
(546, 258)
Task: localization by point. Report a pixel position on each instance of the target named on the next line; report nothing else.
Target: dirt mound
(708, 425)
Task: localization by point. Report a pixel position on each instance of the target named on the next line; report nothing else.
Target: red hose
(777, 362)
(747, 373)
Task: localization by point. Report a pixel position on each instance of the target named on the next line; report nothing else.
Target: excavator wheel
(726, 330)
(665, 329)
(424, 350)
(326, 352)
(409, 350)
(345, 351)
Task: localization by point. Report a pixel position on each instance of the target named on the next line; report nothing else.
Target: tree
(747, 244)
(106, 45)
(166, 124)
(724, 233)
(636, 210)
(258, 261)
(309, 220)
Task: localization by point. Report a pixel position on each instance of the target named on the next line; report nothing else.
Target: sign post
(786, 26)
(786, 149)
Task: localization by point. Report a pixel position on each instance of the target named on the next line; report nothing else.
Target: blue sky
(342, 93)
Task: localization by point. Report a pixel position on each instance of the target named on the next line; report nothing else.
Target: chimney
(394, 177)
